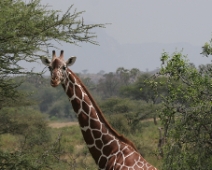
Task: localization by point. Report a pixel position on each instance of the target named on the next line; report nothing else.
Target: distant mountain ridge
(145, 56)
(110, 55)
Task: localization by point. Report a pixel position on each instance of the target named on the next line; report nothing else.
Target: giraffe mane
(102, 117)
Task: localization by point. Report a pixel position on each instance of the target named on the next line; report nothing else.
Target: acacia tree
(186, 113)
(126, 76)
(28, 28)
(108, 85)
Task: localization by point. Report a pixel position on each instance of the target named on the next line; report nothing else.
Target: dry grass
(146, 140)
(62, 124)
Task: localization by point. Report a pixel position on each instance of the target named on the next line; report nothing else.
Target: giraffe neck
(100, 138)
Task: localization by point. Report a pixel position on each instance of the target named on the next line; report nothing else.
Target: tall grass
(73, 153)
(146, 141)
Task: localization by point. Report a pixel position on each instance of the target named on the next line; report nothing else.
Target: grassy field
(73, 153)
(62, 124)
(146, 141)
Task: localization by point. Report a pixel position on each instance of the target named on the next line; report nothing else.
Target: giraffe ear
(71, 61)
(45, 60)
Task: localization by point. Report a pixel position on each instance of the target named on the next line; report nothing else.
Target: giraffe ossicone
(110, 150)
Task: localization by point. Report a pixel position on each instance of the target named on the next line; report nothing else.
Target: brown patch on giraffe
(140, 164)
(104, 129)
(87, 136)
(130, 160)
(135, 167)
(87, 100)
(97, 134)
(110, 163)
(85, 107)
(102, 162)
(120, 158)
(110, 149)
(93, 113)
(71, 77)
(70, 90)
(78, 92)
(71, 86)
(106, 138)
(124, 168)
(76, 104)
(95, 154)
(83, 119)
(94, 124)
(99, 144)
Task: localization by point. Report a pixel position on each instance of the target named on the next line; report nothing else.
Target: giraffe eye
(64, 67)
(50, 68)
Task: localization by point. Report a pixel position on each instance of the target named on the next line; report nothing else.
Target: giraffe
(110, 150)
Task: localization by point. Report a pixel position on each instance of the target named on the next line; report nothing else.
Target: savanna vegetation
(27, 31)
(131, 116)
(186, 113)
(166, 113)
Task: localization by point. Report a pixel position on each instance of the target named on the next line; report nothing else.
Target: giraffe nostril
(55, 81)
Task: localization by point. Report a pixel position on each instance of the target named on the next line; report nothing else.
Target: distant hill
(110, 54)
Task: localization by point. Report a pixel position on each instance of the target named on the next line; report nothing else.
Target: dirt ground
(62, 124)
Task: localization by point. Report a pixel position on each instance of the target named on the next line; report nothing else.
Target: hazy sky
(163, 24)
(142, 21)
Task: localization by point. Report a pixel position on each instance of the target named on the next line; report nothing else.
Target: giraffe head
(57, 66)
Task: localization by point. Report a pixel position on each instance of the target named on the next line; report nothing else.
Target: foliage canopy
(27, 30)
(186, 113)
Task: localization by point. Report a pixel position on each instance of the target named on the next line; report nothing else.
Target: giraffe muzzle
(55, 83)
